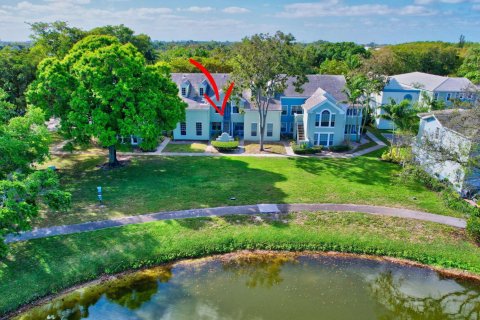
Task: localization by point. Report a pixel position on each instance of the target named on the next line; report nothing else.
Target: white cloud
(423, 2)
(234, 10)
(338, 8)
(197, 9)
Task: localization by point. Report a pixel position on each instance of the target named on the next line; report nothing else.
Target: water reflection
(462, 302)
(260, 270)
(272, 286)
(128, 291)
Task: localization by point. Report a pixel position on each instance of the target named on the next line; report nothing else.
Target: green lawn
(379, 135)
(151, 184)
(186, 147)
(365, 146)
(39, 267)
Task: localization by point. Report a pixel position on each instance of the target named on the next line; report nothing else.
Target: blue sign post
(99, 191)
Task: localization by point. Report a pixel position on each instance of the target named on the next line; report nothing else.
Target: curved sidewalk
(234, 210)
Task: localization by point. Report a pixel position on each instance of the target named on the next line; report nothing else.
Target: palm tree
(354, 89)
(403, 115)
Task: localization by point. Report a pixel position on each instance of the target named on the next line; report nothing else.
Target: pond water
(272, 286)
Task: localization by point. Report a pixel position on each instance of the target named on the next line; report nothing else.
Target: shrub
(426, 179)
(225, 145)
(453, 200)
(305, 148)
(340, 148)
(392, 155)
(473, 227)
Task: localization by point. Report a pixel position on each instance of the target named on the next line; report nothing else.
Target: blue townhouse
(317, 115)
(415, 86)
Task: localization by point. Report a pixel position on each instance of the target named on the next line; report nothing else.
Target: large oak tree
(105, 89)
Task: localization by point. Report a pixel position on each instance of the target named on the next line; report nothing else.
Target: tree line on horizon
(19, 61)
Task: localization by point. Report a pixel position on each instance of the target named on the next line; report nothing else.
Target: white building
(446, 142)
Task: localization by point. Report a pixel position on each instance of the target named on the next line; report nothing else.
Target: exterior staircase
(300, 132)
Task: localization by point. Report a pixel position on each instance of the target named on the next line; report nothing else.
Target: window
(269, 129)
(332, 120)
(448, 96)
(284, 110)
(408, 97)
(254, 129)
(198, 127)
(183, 129)
(235, 109)
(350, 129)
(315, 139)
(200, 91)
(352, 111)
(216, 126)
(435, 96)
(284, 127)
(184, 91)
(323, 139)
(317, 120)
(325, 120)
(296, 109)
(134, 140)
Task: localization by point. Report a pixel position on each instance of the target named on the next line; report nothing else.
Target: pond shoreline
(449, 273)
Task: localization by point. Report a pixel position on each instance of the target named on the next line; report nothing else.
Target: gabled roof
(431, 82)
(332, 84)
(320, 96)
(464, 122)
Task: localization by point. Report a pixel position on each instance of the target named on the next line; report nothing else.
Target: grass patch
(151, 184)
(195, 147)
(365, 146)
(40, 267)
(377, 133)
(270, 147)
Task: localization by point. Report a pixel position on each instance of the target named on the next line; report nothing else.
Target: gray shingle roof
(431, 82)
(332, 84)
(465, 122)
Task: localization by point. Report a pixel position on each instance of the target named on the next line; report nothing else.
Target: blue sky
(362, 21)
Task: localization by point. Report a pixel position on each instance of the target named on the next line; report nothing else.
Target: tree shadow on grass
(363, 170)
(155, 184)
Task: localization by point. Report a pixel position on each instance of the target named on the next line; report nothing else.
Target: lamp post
(99, 191)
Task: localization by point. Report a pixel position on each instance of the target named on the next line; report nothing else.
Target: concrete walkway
(235, 210)
(162, 145)
(211, 152)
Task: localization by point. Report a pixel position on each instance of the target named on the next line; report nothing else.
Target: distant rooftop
(431, 82)
(463, 121)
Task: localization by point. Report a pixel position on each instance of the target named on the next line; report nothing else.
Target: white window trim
(329, 119)
(319, 133)
(291, 110)
(201, 129)
(251, 131)
(181, 128)
(266, 127)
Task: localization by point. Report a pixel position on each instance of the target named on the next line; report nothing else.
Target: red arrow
(215, 88)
